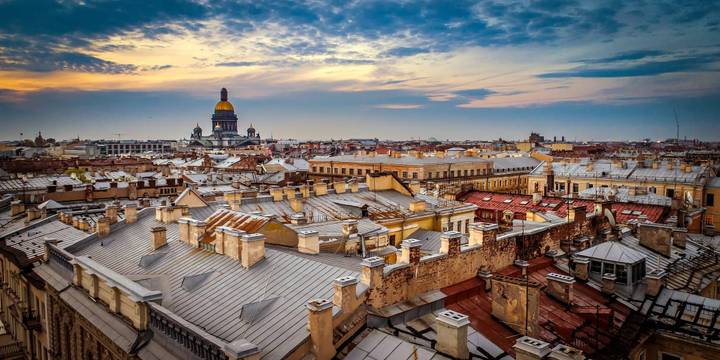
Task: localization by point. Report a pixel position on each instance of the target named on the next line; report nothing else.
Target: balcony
(31, 319)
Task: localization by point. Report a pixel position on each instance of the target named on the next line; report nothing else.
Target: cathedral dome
(224, 104)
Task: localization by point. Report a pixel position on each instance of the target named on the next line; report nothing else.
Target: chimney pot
(452, 334)
(308, 242)
(159, 238)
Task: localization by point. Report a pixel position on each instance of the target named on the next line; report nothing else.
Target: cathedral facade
(224, 128)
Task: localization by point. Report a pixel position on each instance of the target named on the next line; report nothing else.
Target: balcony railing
(31, 319)
(185, 335)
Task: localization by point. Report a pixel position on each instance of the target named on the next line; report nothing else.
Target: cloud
(405, 51)
(399, 106)
(626, 56)
(475, 94)
(240, 63)
(650, 68)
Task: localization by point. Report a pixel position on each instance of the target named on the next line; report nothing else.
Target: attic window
(256, 310)
(636, 212)
(507, 201)
(486, 199)
(544, 204)
(552, 205)
(626, 212)
(192, 282)
(524, 202)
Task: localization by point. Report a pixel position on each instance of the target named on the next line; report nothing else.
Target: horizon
(388, 70)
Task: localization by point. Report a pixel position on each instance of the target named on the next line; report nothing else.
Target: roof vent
(192, 282)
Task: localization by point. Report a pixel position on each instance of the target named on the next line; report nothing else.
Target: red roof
(521, 204)
(583, 325)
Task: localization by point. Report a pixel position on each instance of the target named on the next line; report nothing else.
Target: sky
(322, 69)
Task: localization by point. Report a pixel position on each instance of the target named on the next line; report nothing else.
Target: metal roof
(216, 303)
(612, 251)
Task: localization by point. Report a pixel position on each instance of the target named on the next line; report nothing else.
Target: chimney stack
(344, 296)
(486, 276)
(410, 253)
(17, 207)
(339, 187)
(560, 287)
(564, 352)
(298, 219)
(320, 189)
(321, 328)
(655, 281)
(523, 265)
(159, 237)
(452, 334)
(130, 213)
(103, 226)
(608, 283)
(252, 249)
(371, 274)
(582, 268)
(196, 231)
(232, 243)
(481, 233)
(296, 205)
(349, 227)
(527, 348)
(417, 206)
(450, 243)
(308, 242)
(277, 194)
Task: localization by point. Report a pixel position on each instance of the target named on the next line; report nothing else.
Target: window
(621, 274)
(452, 173)
(352, 171)
(414, 175)
(590, 186)
(576, 188)
(314, 168)
(709, 199)
(335, 171)
(670, 193)
(595, 266)
(445, 174)
(342, 171)
(429, 175)
(404, 174)
(450, 226)
(465, 173)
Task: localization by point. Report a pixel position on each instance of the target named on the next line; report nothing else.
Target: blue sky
(339, 69)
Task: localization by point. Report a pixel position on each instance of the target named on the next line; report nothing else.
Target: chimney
(608, 283)
(296, 205)
(320, 325)
(560, 287)
(252, 249)
(536, 198)
(655, 281)
(219, 240)
(304, 191)
(130, 213)
(232, 243)
(688, 168)
(298, 219)
(103, 226)
(582, 268)
(289, 192)
(308, 242)
(345, 297)
(669, 165)
(276, 193)
(320, 189)
(371, 274)
(32, 214)
(679, 237)
(527, 348)
(410, 253)
(417, 206)
(184, 229)
(339, 187)
(523, 265)
(354, 187)
(486, 276)
(158, 213)
(349, 227)
(577, 214)
(481, 233)
(450, 243)
(452, 328)
(564, 352)
(83, 224)
(655, 165)
(159, 237)
(196, 231)
(657, 237)
(17, 207)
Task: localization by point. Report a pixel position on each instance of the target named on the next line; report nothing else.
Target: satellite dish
(610, 217)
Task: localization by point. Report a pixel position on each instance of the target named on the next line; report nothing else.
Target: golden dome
(224, 106)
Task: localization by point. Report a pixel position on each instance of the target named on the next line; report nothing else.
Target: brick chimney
(481, 233)
(130, 213)
(296, 205)
(277, 194)
(410, 253)
(345, 297)
(232, 244)
(655, 280)
(196, 231)
(17, 207)
(308, 242)
(452, 337)
(371, 274)
(486, 276)
(577, 214)
(339, 187)
(298, 219)
(304, 191)
(417, 206)
(564, 352)
(354, 187)
(560, 287)
(523, 265)
(32, 214)
(321, 328)
(349, 227)
(679, 237)
(527, 348)
(320, 189)
(184, 229)
(103, 226)
(582, 268)
(450, 243)
(159, 237)
(608, 283)
(252, 249)
(657, 237)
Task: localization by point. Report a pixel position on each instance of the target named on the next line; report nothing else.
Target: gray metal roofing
(334, 228)
(403, 160)
(606, 169)
(656, 261)
(216, 303)
(613, 251)
(431, 240)
(622, 194)
(31, 240)
(36, 183)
